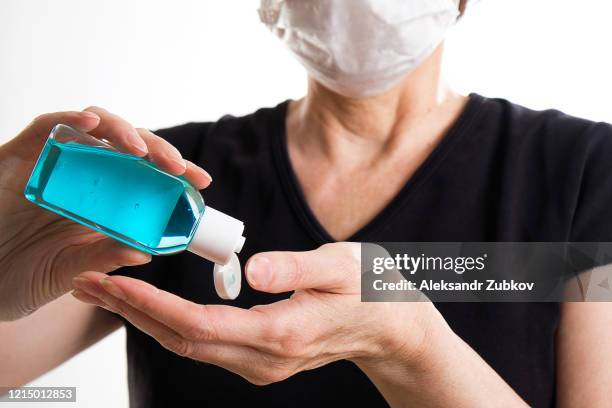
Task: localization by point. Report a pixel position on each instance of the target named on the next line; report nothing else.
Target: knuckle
(41, 118)
(158, 143)
(348, 259)
(292, 343)
(93, 108)
(259, 380)
(116, 307)
(268, 376)
(156, 138)
(284, 337)
(295, 271)
(274, 330)
(201, 329)
(349, 251)
(194, 332)
(178, 345)
(329, 246)
(184, 348)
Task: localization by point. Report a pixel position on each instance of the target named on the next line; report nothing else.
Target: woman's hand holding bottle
(40, 252)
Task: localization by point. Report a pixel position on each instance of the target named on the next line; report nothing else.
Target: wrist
(431, 371)
(409, 341)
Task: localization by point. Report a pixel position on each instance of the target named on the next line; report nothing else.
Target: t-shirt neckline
(297, 199)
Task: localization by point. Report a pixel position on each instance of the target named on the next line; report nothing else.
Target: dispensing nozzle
(218, 238)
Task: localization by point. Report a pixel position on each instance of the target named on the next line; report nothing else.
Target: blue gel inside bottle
(120, 195)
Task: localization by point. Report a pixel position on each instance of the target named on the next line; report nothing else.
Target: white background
(160, 63)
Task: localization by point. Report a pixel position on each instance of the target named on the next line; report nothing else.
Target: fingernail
(85, 298)
(259, 273)
(138, 258)
(79, 294)
(174, 155)
(112, 288)
(206, 175)
(179, 162)
(90, 115)
(87, 286)
(139, 144)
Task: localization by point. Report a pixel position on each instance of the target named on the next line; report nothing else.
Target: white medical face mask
(360, 48)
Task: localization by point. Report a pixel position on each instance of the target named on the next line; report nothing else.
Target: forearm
(584, 347)
(448, 372)
(33, 345)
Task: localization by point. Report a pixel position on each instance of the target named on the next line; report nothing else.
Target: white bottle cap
(228, 279)
(218, 238)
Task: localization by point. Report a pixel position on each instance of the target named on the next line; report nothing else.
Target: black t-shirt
(501, 173)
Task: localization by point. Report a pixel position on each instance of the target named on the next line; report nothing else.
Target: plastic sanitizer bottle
(130, 199)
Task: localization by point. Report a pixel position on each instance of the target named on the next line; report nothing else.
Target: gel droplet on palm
(130, 199)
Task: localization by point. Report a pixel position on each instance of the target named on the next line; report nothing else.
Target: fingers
(255, 366)
(332, 267)
(142, 142)
(197, 176)
(209, 323)
(84, 297)
(239, 359)
(103, 124)
(163, 153)
(118, 131)
(167, 157)
(89, 291)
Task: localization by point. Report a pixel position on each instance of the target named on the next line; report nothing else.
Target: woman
(380, 149)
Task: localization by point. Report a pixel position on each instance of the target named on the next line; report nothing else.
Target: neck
(336, 125)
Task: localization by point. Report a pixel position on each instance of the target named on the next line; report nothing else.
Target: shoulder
(548, 128)
(549, 140)
(558, 161)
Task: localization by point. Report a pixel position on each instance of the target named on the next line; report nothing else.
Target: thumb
(331, 267)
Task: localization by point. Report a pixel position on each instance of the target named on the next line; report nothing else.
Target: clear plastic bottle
(132, 200)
